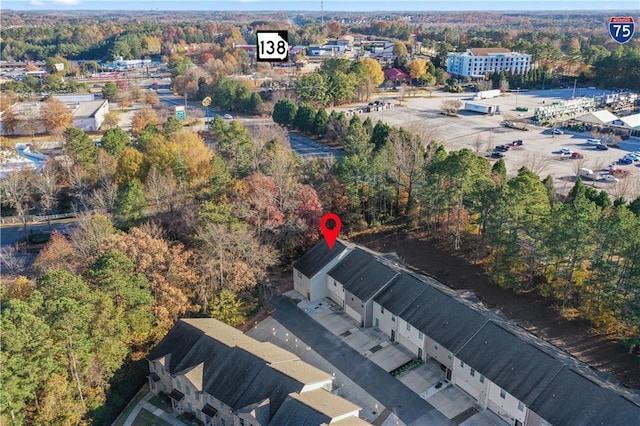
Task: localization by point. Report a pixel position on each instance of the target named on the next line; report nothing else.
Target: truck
(485, 109)
(487, 94)
(587, 174)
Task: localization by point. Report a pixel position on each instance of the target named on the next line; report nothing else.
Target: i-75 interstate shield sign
(621, 28)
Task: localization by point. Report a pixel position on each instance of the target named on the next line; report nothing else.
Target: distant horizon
(330, 6)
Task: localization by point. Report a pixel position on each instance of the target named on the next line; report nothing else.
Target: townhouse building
(226, 378)
(356, 280)
(504, 368)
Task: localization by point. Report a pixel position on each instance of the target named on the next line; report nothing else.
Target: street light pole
(517, 93)
(573, 96)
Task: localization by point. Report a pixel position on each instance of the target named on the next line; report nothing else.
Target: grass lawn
(158, 403)
(123, 416)
(145, 418)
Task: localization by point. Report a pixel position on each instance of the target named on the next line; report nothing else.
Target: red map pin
(330, 235)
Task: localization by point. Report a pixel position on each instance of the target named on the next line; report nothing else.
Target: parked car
(594, 141)
(610, 178)
(601, 147)
(228, 117)
(625, 161)
(557, 132)
(517, 143)
(634, 157)
(617, 171)
(566, 151)
(577, 155)
(503, 148)
(497, 154)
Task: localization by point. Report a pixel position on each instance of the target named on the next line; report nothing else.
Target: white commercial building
(482, 61)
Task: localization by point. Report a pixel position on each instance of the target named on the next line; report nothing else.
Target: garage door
(353, 314)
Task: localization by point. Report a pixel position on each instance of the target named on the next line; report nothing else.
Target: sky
(329, 5)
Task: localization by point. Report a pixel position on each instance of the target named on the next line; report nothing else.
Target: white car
(565, 151)
(594, 141)
(557, 132)
(610, 178)
(228, 117)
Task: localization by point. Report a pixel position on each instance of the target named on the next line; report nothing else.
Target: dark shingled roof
(362, 274)
(230, 374)
(401, 293)
(445, 319)
(511, 361)
(573, 399)
(177, 342)
(317, 258)
(295, 413)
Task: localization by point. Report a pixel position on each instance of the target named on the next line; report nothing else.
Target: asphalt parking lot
(540, 150)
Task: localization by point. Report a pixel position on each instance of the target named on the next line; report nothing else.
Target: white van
(587, 173)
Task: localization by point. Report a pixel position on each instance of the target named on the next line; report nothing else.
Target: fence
(31, 218)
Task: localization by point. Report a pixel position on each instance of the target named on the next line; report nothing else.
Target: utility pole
(573, 96)
(321, 13)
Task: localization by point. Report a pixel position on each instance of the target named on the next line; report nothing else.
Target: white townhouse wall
(471, 381)
(384, 320)
(438, 352)
(335, 291)
(410, 337)
(310, 271)
(506, 405)
(478, 62)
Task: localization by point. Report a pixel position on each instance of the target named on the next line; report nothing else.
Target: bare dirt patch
(529, 310)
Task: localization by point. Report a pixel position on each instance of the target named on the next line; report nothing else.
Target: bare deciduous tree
(477, 143)
(46, 186)
(261, 137)
(161, 188)
(451, 106)
(16, 189)
(535, 162)
(11, 259)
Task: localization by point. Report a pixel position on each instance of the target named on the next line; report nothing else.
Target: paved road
(307, 148)
(167, 98)
(393, 394)
(10, 234)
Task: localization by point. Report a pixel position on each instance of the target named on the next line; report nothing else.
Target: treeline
(581, 252)
(108, 40)
(620, 69)
(339, 81)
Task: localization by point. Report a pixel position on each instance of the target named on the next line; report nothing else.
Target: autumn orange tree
(142, 118)
(56, 116)
(167, 266)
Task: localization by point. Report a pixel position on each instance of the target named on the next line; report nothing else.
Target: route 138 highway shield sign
(621, 28)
